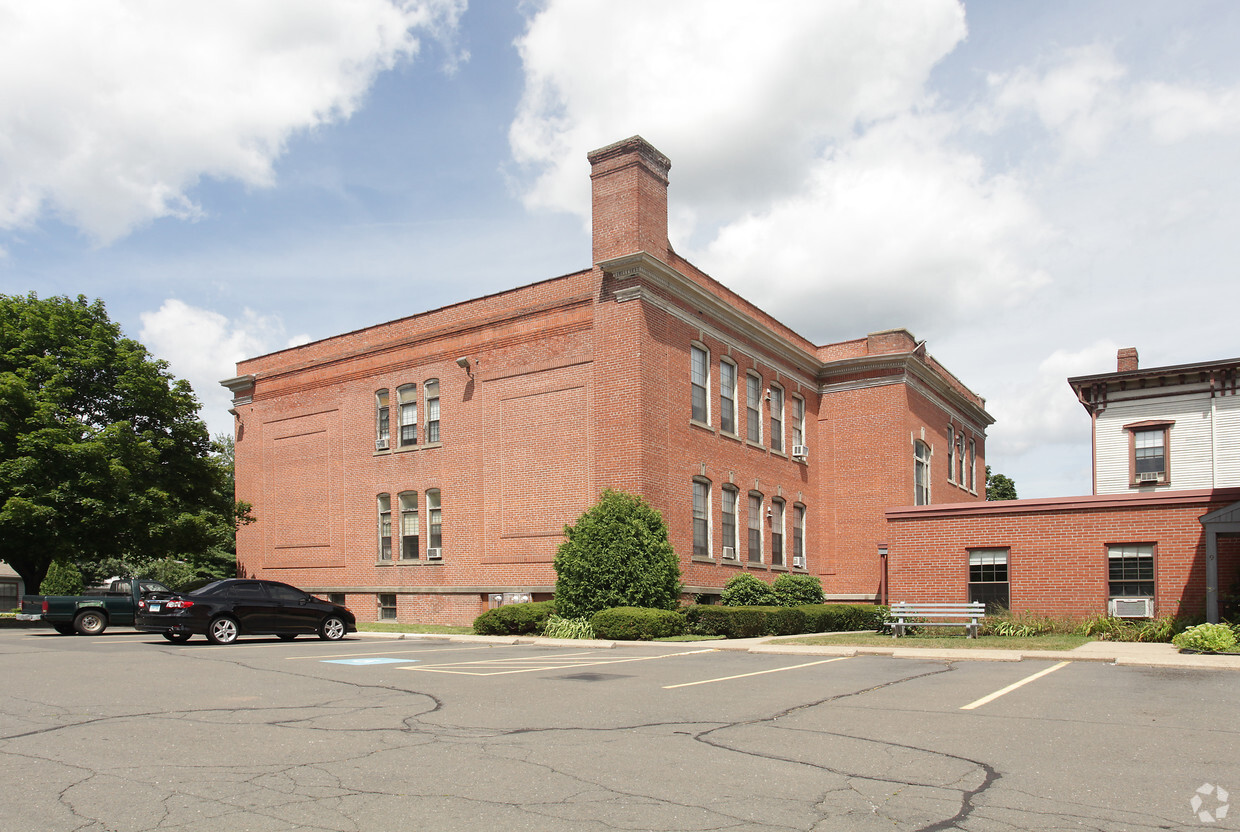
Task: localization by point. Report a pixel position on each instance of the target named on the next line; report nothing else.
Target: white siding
(1189, 448)
(1227, 441)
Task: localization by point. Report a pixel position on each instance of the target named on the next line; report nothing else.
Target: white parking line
(533, 664)
(755, 673)
(977, 703)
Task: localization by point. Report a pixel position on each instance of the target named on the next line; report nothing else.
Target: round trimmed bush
(744, 590)
(797, 590)
(637, 623)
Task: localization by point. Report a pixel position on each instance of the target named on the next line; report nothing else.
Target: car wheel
(223, 630)
(90, 622)
(177, 638)
(332, 629)
(287, 636)
(64, 629)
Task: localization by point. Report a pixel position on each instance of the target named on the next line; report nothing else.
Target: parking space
(126, 732)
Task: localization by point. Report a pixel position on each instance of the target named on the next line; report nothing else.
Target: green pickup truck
(92, 613)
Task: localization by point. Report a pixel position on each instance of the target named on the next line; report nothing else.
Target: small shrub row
(1207, 638)
(515, 619)
(746, 590)
(755, 621)
(1108, 628)
(637, 623)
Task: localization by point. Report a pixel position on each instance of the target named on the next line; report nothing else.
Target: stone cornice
(1161, 499)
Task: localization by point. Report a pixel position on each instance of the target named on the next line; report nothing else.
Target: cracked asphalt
(125, 733)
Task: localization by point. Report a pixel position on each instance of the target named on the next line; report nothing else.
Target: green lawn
(1050, 641)
(429, 629)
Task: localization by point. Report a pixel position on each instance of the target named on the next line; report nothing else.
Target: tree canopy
(102, 453)
(616, 555)
(999, 487)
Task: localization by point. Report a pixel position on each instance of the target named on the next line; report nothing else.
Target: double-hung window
(755, 528)
(1130, 570)
(753, 408)
(777, 418)
(731, 500)
(1147, 443)
(385, 527)
(699, 383)
(798, 536)
(409, 525)
(727, 396)
(701, 519)
(973, 465)
(407, 398)
(434, 525)
(777, 532)
(431, 390)
(382, 421)
(387, 606)
(988, 578)
(921, 473)
(798, 422)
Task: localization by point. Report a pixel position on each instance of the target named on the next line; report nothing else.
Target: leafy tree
(617, 554)
(999, 487)
(102, 453)
(63, 579)
(745, 590)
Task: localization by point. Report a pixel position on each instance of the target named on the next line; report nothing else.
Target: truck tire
(65, 629)
(90, 622)
(332, 629)
(223, 630)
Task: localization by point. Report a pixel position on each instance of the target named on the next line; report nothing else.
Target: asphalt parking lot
(125, 732)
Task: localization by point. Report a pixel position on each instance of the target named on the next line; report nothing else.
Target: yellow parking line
(977, 703)
(755, 673)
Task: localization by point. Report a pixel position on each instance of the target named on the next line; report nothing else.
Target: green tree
(102, 453)
(746, 590)
(63, 579)
(999, 487)
(617, 554)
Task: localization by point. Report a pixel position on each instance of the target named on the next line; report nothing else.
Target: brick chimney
(628, 186)
(1126, 360)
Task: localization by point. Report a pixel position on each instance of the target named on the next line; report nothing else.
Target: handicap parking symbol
(380, 660)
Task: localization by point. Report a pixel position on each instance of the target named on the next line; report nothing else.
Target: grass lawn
(394, 627)
(1050, 641)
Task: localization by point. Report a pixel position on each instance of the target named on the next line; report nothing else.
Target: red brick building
(1159, 536)
(426, 465)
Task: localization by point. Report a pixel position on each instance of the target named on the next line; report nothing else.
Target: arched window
(407, 396)
(921, 473)
(382, 431)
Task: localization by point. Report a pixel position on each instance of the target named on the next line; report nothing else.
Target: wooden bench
(937, 614)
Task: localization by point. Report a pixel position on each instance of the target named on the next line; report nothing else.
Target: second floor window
(798, 421)
(407, 397)
(434, 525)
(431, 389)
(699, 379)
(385, 527)
(921, 473)
(409, 525)
(753, 408)
(727, 397)
(1149, 452)
(777, 418)
(382, 423)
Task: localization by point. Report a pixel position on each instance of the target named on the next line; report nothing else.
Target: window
(701, 519)
(921, 473)
(407, 396)
(988, 578)
(777, 418)
(336, 598)
(1131, 570)
(755, 528)
(431, 389)
(382, 432)
(699, 380)
(727, 396)
(960, 459)
(973, 465)
(387, 607)
(1147, 452)
(385, 527)
(434, 525)
(753, 408)
(409, 525)
(798, 421)
(798, 536)
(951, 455)
(777, 532)
(731, 500)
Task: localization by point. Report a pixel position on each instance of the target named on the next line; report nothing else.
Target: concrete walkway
(1112, 652)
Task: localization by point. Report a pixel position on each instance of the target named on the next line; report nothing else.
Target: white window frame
(727, 404)
(798, 420)
(778, 513)
(699, 355)
(383, 504)
(754, 524)
(407, 414)
(921, 473)
(434, 520)
(408, 501)
(383, 421)
(731, 498)
(798, 536)
(775, 412)
(430, 389)
(701, 517)
(753, 408)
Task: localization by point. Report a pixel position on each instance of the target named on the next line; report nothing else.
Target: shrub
(835, 618)
(568, 628)
(797, 590)
(1207, 638)
(744, 590)
(637, 623)
(62, 578)
(617, 554)
(1021, 625)
(707, 619)
(514, 619)
(1108, 628)
(786, 621)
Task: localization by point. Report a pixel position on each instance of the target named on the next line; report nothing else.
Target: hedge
(514, 619)
(637, 623)
(752, 622)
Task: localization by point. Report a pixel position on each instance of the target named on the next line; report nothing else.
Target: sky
(1026, 186)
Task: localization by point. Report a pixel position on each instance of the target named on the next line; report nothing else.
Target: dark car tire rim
(223, 631)
(333, 629)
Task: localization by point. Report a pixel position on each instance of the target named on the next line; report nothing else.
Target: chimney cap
(630, 146)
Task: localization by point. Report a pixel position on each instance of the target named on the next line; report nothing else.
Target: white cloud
(203, 347)
(112, 110)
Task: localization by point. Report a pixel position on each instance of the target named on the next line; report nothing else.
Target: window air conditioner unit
(1149, 476)
(434, 554)
(798, 563)
(729, 553)
(381, 444)
(801, 451)
(1132, 607)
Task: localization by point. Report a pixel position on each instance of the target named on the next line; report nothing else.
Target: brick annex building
(424, 466)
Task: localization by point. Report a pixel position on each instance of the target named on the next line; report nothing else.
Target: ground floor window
(1130, 569)
(988, 578)
(387, 607)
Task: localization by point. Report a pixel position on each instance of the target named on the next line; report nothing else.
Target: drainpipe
(882, 574)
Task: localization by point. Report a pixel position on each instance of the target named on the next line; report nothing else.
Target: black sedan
(223, 610)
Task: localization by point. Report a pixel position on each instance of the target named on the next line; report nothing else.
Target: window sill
(694, 423)
(700, 559)
(758, 445)
(757, 565)
(781, 454)
(417, 562)
(731, 562)
(729, 435)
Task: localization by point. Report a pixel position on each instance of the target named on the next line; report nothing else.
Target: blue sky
(1026, 186)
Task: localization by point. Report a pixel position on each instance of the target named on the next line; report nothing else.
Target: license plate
(154, 607)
